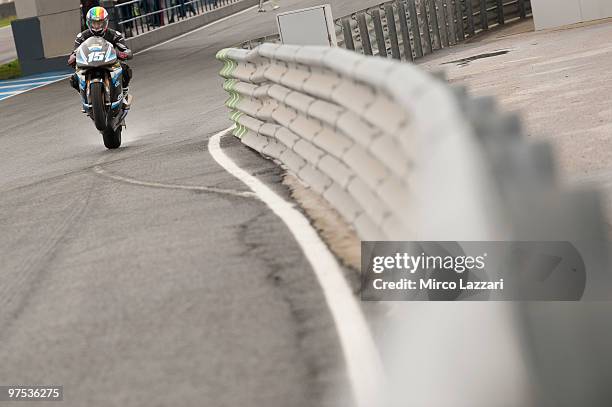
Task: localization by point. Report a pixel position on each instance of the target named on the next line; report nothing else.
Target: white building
(556, 13)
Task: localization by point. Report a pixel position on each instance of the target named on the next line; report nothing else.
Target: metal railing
(410, 29)
(140, 16)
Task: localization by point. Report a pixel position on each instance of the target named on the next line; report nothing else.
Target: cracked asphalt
(131, 295)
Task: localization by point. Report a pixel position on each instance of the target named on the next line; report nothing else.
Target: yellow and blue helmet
(97, 20)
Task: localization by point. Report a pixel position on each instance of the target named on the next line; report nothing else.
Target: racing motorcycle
(99, 75)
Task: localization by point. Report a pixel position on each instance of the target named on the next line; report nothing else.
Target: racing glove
(123, 55)
(72, 60)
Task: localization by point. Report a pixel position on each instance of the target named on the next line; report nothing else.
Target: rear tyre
(97, 106)
(112, 139)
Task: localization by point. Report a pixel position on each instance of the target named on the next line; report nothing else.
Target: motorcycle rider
(97, 24)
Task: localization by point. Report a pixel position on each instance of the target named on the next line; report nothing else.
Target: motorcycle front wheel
(97, 105)
(112, 138)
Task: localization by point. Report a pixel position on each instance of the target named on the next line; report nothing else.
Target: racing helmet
(97, 20)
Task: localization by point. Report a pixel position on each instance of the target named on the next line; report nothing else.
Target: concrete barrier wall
(170, 31)
(59, 30)
(35, 8)
(59, 23)
(399, 153)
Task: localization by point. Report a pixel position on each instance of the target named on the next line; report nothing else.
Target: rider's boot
(127, 98)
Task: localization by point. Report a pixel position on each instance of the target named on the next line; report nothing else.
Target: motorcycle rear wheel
(112, 139)
(97, 106)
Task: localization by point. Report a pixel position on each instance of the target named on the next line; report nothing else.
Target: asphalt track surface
(130, 291)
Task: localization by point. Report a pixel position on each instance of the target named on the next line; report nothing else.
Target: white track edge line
(23, 85)
(362, 359)
(41, 79)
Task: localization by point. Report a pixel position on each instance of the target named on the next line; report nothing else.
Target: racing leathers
(123, 54)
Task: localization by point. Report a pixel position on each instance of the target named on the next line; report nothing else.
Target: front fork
(113, 88)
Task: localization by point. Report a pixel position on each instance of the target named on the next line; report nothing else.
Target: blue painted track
(13, 87)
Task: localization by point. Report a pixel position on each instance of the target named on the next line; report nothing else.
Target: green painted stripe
(233, 100)
(221, 54)
(237, 100)
(229, 85)
(240, 131)
(235, 116)
(245, 131)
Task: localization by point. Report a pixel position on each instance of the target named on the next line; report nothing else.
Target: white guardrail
(401, 155)
(396, 151)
